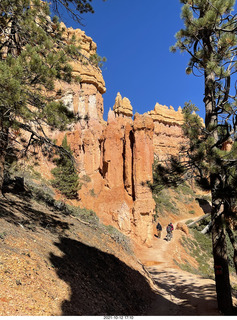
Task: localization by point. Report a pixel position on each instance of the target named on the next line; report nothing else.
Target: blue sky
(135, 37)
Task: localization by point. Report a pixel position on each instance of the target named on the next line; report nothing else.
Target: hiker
(159, 229)
(169, 230)
(172, 227)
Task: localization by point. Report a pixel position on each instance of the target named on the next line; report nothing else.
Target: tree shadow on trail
(191, 298)
(100, 283)
(21, 211)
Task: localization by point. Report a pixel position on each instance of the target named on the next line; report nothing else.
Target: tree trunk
(4, 132)
(207, 228)
(234, 244)
(199, 219)
(221, 268)
(210, 105)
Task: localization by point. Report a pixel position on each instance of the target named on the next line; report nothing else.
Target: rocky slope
(56, 260)
(52, 263)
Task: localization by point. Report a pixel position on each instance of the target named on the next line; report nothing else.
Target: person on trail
(172, 227)
(169, 230)
(159, 229)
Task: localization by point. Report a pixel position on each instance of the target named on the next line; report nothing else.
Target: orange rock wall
(115, 158)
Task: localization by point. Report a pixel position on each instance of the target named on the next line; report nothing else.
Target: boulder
(183, 227)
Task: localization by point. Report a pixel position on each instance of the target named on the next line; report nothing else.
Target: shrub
(66, 179)
(119, 237)
(84, 214)
(164, 202)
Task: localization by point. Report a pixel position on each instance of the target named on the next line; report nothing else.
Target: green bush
(185, 189)
(3, 235)
(86, 178)
(66, 178)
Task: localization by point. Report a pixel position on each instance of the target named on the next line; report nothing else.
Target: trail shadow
(193, 299)
(22, 212)
(100, 283)
(205, 205)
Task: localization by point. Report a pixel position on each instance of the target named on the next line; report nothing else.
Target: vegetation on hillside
(33, 56)
(170, 195)
(66, 178)
(61, 260)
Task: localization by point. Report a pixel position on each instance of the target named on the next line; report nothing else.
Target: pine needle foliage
(209, 37)
(33, 55)
(66, 178)
(74, 8)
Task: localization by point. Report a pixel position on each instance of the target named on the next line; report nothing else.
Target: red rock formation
(122, 106)
(120, 193)
(183, 227)
(114, 159)
(143, 157)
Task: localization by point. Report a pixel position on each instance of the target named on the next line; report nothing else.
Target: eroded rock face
(122, 106)
(84, 98)
(183, 227)
(115, 158)
(143, 155)
(121, 195)
(168, 134)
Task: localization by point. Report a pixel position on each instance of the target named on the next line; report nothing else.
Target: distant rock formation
(84, 98)
(115, 158)
(168, 133)
(122, 106)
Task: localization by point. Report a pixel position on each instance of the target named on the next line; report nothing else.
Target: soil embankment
(52, 264)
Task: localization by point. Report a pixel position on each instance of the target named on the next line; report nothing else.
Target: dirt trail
(178, 292)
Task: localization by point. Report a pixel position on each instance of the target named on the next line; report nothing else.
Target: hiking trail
(178, 292)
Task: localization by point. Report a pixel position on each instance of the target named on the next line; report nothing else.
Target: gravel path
(178, 292)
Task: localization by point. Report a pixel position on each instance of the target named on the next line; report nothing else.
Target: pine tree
(73, 7)
(210, 39)
(32, 56)
(65, 175)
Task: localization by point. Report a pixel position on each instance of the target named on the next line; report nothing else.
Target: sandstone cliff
(114, 158)
(115, 162)
(168, 135)
(85, 98)
(122, 106)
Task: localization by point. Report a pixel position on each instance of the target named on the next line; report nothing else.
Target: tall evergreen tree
(65, 175)
(32, 56)
(210, 38)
